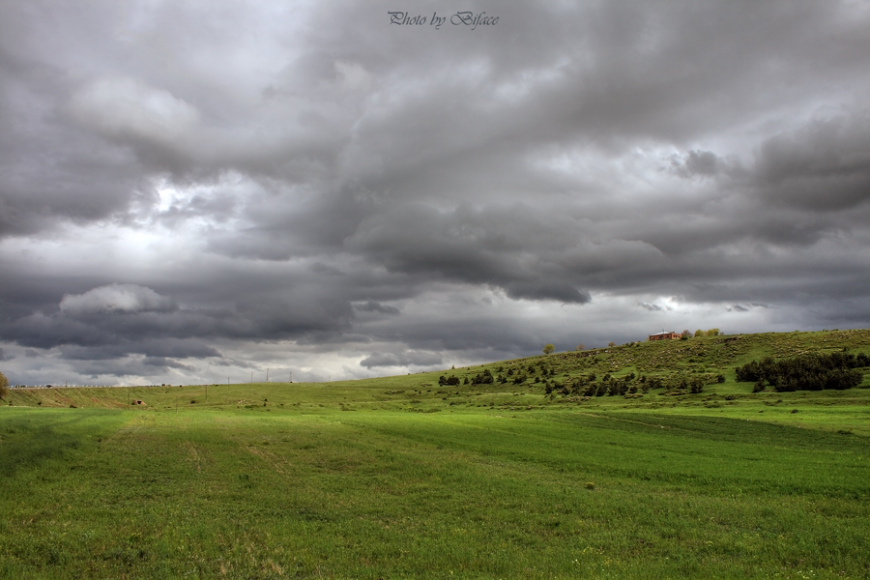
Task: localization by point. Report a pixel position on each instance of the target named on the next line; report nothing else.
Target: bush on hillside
(484, 378)
(451, 380)
(810, 372)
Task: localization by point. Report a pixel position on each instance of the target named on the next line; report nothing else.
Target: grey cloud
(561, 292)
(302, 185)
(116, 298)
(162, 348)
(822, 166)
(131, 317)
(124, 107)
(51, 171)
(41, 331)
(698, 164)
(405, 358)
(802, 186)
(372, 306)
(165, 363)
(493, 247)
(469, 328)
(133, 366)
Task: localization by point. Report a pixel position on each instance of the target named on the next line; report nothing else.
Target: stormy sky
(199, 192)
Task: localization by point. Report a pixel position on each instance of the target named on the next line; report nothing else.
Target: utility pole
(267, 375)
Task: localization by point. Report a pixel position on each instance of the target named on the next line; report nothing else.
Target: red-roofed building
(665, 336)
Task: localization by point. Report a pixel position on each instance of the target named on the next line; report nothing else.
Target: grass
(401, 478)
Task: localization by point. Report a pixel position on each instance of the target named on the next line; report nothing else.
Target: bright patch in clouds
(116, 298)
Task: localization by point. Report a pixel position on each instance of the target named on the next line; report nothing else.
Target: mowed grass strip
(474, 494)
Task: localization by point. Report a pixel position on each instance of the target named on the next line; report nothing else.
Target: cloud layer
(198, 192)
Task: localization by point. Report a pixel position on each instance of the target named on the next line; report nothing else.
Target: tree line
(809, 372)
(516, 375)
(591, 386)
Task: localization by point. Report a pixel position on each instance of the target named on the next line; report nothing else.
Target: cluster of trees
(589, 385)
(4, 386)
(710, 332)
(810, 372)
(484, 378)
(521, 374)
(451, 380)
(514, 374)
(687, 334)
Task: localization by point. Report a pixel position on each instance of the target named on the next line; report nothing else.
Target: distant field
(404, 478)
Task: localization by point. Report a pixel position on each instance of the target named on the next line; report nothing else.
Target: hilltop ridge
(636, 373)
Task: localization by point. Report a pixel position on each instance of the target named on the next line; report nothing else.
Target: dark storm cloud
(164, 347)
(558, 291)
(821, 166)
(129, 367)
(51, 171)
(697, 164)
(510, 248)
(372, 306)
(176, 187)
(401, 359)
(125, 318)
(798, 188)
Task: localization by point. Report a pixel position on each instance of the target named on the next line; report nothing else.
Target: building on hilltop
(665, 336)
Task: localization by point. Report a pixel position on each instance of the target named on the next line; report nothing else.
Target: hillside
(653, 374)
(401, 476)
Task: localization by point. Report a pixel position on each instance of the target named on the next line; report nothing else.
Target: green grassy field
(403, 478)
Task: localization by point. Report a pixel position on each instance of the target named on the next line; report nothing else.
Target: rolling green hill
(404, 477)
(662, 373)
